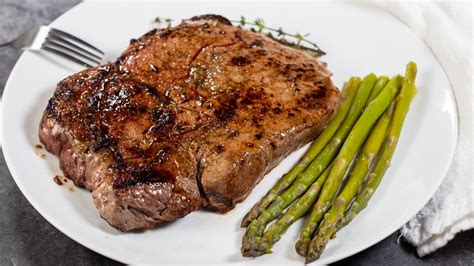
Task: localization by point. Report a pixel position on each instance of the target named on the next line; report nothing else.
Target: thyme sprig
(298, 40)
(163, 22)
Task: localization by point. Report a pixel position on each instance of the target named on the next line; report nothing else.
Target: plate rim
(110, 254)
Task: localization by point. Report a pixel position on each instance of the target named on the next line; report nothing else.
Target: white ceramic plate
(357, 38)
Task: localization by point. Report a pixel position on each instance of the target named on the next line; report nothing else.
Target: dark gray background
(28, 239)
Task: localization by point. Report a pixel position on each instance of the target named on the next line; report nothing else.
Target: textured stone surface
(28, 239)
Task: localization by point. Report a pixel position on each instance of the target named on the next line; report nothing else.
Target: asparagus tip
(301, 248)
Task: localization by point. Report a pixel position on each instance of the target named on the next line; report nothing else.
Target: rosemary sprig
(300, 41)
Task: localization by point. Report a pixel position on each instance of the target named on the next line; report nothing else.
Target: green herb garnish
(298, 40)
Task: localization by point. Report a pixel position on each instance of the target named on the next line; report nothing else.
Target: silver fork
(60, 43)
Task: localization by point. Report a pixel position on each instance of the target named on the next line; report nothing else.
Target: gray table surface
(26, 238)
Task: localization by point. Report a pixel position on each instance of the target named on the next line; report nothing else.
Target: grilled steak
(188, 116)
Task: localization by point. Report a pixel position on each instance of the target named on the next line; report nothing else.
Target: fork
(60, 43)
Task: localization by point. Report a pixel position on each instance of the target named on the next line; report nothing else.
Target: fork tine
(74, 38)
(6, 43)
(67, 56)
(60, 39)
(55, 44)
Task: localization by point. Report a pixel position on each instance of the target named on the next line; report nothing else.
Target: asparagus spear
(369, 151)
(356, 177)
(256, 228)
(379, 85)
(355, 139)
(403, 104)
(296, 211)
(349, 92)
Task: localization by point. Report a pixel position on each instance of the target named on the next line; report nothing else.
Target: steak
(189, 116)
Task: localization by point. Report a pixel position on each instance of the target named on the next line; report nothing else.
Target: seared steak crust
(187, 116)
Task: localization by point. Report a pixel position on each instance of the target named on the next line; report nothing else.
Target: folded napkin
(447, 30)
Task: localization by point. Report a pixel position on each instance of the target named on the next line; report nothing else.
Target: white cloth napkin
(447, 30)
